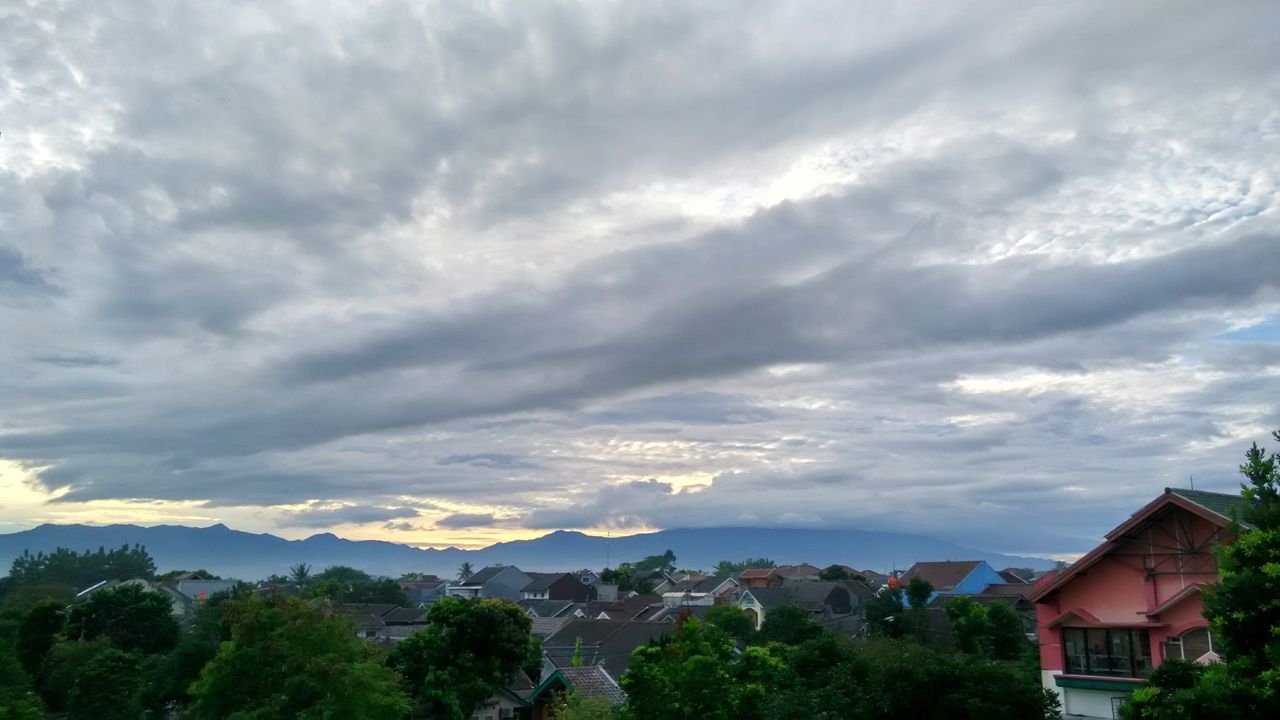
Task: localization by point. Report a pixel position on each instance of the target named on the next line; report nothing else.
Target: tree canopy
(469, 649)
(130, 617)
(287, 659)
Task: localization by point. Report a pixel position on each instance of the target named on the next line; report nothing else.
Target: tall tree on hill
(300, 573)
(465, 571)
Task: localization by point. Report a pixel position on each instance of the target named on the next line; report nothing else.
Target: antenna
(608, 537)
(1192, 478)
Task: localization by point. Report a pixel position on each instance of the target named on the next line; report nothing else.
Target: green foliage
(835, 678)
(575, 706)
(695, 673)
(728, 568)
(732, 621)
(286, 659)
(627, 578)
(348, 585)
(36, 635)
(106, 688)
(886, 614)
(18, 701)
(665, 562)
(200, 574)
(469, 649)
(130, 617)
(465, 571)
(300, 573)
(62, 667)
(789, 625)
(917, 592)
(996, 631)
(209, 629)
(80, 570)
(24, 597)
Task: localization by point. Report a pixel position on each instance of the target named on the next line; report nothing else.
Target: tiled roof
(756, 572)
(770, 597)
(595, 682)
(944, 575)
(1011, 589)
(546, 627)
(1223, 504)
(405, 616)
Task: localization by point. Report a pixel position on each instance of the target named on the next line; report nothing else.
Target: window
(1118, 652)
(1193, 645)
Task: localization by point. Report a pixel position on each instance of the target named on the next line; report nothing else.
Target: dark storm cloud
(862, 264)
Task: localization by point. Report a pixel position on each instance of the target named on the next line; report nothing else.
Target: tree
(970, 629)
(300, 573)
(106, 688)
(130, 617)
(886, 614)
(17, 699)
(666, 562)
(465, 572)
(728, 568)
(790, 625)
(732, 621)
(287, 659)
(696, 673)
(348, 585)
(80, 570)
(916, 618)
(62, 668)
(576, 706)
(469, 649)
(36, 635)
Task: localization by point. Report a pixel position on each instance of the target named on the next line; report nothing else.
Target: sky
(460, 272)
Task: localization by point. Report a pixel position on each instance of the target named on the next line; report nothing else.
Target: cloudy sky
(457, 272)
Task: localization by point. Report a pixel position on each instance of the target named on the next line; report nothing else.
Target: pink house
(1134, 601)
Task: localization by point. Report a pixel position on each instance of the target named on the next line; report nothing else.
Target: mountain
(233, 553)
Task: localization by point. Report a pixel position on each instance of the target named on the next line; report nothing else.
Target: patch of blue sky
(1266, 331)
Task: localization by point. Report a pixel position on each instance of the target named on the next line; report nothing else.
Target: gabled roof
(756, 572)
(944, 576)
(1177, 599)
(1197, 502)
(769, 597)
(542, 582)
(589, 681)
(547, 608)
(486, 574)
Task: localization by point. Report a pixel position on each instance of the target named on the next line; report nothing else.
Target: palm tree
(465, 572)
(300, 573)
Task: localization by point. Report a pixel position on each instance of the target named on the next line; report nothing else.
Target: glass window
(1120, 652)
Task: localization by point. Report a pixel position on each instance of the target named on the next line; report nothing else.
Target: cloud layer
(435, 272)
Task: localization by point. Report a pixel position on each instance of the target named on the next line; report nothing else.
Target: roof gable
(944, 576)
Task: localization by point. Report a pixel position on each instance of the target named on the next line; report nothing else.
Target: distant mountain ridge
(250, 556)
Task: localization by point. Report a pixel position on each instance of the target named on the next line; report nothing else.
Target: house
(827, 600)
(556, 586)
(588, 577)
(702, 590)
(591, 681)
(496, 581)
(775, 576)
(1132, 602)
(549, 608)
(953, 577)
(606, 643)
(383, 623)
(424, 590)
(512, 702)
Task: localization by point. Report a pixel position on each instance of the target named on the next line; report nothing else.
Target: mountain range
(232, 553)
